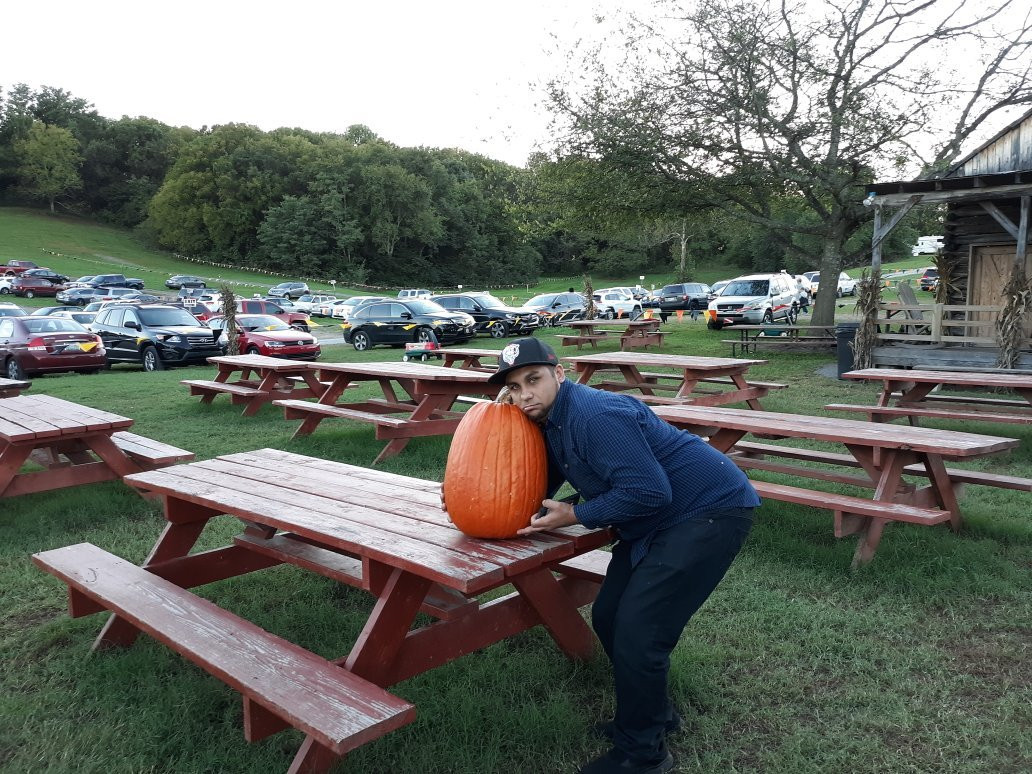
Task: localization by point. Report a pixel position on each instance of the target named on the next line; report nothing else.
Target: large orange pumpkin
(497, 471)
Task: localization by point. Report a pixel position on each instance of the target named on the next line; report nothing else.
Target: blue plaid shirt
(634, 471)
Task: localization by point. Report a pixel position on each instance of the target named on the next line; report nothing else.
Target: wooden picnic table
(429, 392)
(11, 387)
(881, 453)
(692, 372)
(261, 380)
(913, 394)
(471, 358)
(750, 336)
(633, 334)
(74, 444)
(384, 533)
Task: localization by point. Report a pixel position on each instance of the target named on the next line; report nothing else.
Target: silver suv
(755, 299)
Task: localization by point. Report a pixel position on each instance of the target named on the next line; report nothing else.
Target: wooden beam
(999, 217)
(1021, 249)
(965, 194)
(881, 232)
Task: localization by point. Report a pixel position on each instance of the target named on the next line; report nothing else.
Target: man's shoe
(604, 729)
(615, 762)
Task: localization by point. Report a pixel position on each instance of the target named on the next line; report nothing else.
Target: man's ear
(560, 374)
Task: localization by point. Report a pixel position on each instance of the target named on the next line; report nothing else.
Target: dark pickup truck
(115, 281)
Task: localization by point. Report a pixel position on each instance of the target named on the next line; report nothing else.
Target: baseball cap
(520, 353)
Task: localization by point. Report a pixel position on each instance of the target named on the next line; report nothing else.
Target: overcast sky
(440, 73)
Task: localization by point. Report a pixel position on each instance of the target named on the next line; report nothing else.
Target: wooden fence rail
(939, 324)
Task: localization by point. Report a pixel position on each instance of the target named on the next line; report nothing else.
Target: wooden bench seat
(149, 453)
(972, 399)
(299, 409)
(847, 504)
(569, 340)
(800, 341)
(282, 684)
(590, 566)
(741, 451)
(208, 387)
(11, 387)
(913, 411)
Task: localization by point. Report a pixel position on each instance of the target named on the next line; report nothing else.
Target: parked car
(30, 287)
(5, 285)
(845, 286)
(411, 293)
(283, 302)
(47, 274)
(261, 334)
(309, 301)
(154, 335)
(115, 281)
(398, 322)
(12, 310)
(290, 289)
(79, 296)
(717, 288)
(296, 320)
(613, 303)
(31, 345)
(46, 311)
(198, 310)
(113, 294)
(754, 299)
(326, 308)
(14, 268)
(81, 282)
(83, 318)
(556, 308)
(684, 296)
(929, 280)
(490, 314)
(177, 281)
(342, 308)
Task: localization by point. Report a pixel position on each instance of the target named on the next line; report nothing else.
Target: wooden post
(1022, 236)
(937, 323)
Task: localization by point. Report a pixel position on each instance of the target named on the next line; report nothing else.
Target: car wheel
(499, 330)
(13, 370)
(768, 317)
(253, 351)
(299, 327)
(405, 358)
(360, 341)
(151, 359)
(424, 335)
(609, 314)
(5, 290)
(29, 294)
(714, 325)
(838, 293)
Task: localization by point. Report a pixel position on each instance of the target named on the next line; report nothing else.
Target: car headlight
(511, 316)
(753, 305)
(168, 338)
(274, 344)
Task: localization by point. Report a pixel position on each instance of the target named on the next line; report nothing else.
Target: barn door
(990, 269)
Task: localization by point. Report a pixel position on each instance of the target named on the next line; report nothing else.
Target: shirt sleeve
(621, 456)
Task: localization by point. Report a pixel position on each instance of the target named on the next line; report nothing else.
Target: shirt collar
(560, 406)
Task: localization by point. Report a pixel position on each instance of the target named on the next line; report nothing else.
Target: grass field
(919, 662)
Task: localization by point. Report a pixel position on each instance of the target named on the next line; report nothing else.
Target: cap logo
(510, 353)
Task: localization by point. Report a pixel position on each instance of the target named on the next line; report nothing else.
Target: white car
(342, 310)
(5, 284)
(846, 285)
(755, 299)
(614, 303)
(309, 302)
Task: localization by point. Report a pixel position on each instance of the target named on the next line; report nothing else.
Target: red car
(44, 344)
(263, 334)
(34, 286)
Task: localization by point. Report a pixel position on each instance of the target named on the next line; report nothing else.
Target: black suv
(47, 274)
(556, 308)
(684, 295)
(154, 336)
(490, 315)
(399, 322)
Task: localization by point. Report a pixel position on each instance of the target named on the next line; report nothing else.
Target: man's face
(533, 389)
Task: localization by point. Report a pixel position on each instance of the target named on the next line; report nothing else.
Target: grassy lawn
(919, 662)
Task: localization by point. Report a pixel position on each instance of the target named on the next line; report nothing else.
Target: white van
(410, 294)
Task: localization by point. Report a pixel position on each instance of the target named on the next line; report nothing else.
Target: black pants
(640, 613)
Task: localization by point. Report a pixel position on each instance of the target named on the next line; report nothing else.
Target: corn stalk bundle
(868, 296)
(1010, 325)
(229, 316)
(590, 312)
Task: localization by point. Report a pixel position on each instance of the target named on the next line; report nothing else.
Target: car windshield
(52, 325)
(11, 311)
(488, 301)
(161, 318)
(263, 322)
(746, 288)
(419, 306)
(545, 299)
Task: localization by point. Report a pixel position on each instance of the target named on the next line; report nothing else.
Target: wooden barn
(986, 234)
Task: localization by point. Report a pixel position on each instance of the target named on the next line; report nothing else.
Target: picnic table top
(616, 322)
(27, 417)
(14, 383)
(389, 518)
(471, 352)
(402, 370)
(959, 378)
(947, 443)
(262, 362)
(687, 362)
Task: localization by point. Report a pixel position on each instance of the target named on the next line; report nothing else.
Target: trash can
(845, 332)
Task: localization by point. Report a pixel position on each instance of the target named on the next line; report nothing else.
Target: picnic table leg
(587, 373)
(690, 380)
(427, 406)
(742, 384)
(943, 488)
(116, 459)
(11, 460)
(313, 758)
(888, 481)
(557, 613)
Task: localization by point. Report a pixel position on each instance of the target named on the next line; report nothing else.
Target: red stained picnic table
(74, 444)
(882, 454)
(12, 387)
(261, 380)
(384, 533)
(633, 334)
(910, 394)
(417, 400)
(471, 358)
(691, 373)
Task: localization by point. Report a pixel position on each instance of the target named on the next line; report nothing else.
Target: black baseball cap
(520, 353)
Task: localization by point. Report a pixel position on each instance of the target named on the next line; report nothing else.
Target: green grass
(918, 662)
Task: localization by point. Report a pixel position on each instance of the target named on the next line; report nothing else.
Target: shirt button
(566, 465)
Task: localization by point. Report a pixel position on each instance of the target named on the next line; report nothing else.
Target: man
(681, 510)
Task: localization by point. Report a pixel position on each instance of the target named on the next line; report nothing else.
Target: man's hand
(557, 514)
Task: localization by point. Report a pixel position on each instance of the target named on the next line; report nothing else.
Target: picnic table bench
(262, 380)
(74, 444)
(11, 387)
(471, 358)
(424, 409)
(383, 533)
(690, 372)
(633, 334)
(752, 336)
(882, 454)
(913, 394)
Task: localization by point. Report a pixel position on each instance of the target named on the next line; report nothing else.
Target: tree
(49, 162)
(753, 102)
